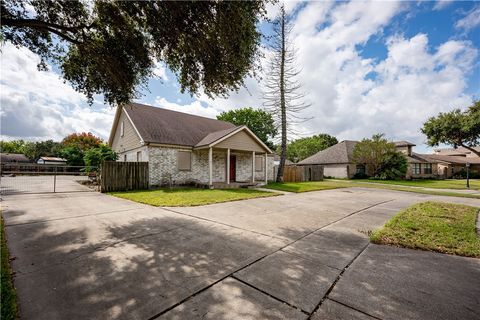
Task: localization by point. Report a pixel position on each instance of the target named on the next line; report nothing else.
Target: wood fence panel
(123, 176)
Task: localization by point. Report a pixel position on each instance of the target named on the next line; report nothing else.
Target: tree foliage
(31, 149)
(73, 154)
(456, 128)
(283, 98)
(380, 158)
(82, 141)
(94, 157)
(111, 47)
(259, 121)
(302, 148)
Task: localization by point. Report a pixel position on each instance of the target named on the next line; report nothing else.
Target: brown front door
(233, 168)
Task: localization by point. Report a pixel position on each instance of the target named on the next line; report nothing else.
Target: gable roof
(13, 157)
(403, 143)
(214, 136)
(163, 126)
(340, 153)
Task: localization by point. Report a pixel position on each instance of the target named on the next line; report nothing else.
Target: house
(52, 161)
(182, 148)
(457, 152)
(453, 166)
(13, 158)
(338, 161)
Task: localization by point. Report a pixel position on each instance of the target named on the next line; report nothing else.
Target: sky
(367, 67)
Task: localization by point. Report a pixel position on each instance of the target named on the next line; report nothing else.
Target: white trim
(260, 142)
(134, 127)
(228, 166)
(114, 125)
(186, 148)
(210, 167)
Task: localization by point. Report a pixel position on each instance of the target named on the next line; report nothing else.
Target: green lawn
(307, 186)
(186, 197)
(8, 295)
(434, 226)
(434, 184)
(333, 184)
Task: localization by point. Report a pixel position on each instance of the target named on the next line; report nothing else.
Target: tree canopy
(302, 148)
(94, 157)
(457, 128)
(31, 149)
(111, 47)
(82, 141)
(380, 157)
(259, 121)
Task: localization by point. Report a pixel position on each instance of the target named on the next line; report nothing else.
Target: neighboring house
(455, 166)
(457, 152)
(276, 161)
(13, 158)
(337, 160)
(52, 160)
(182, 148)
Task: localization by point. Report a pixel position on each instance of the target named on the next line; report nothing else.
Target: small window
(122, 129)
(427, 168)
(139, 156)
(258, 163)
(184, 160)
(124, 158)
(416, 168)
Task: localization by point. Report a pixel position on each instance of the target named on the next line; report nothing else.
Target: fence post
(55, 179)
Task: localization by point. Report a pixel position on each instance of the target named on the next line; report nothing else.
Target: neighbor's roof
(13, 157)
(159, 125)
(53, 159)
(340, 153)
(403, 143)
(460, 151)
(454, 159)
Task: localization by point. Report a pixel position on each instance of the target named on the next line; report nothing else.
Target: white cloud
(471, 19)
(195, 107)
(39, 105)
(160, 71)
(442, 4)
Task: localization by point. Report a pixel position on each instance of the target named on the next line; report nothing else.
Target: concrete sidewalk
(88, 255)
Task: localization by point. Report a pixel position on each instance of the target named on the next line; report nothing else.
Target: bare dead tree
(282, 94)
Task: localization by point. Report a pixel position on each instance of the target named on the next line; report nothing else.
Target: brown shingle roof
(158, 125)
(340, 153)
(214, 136)
(454, 159)
(403, 143)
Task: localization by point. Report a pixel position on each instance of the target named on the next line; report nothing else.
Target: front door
(233, 168)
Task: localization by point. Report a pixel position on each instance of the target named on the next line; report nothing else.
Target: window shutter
(184, 160)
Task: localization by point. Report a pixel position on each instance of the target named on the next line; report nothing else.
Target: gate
(20, 178)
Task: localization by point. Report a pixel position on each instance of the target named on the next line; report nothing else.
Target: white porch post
(228, 166)
(210, 167)
(266, 169)
(253, 166)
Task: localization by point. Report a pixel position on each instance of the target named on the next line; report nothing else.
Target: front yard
(186, 197)
(434, 226)
(434, 184)
(334, 184)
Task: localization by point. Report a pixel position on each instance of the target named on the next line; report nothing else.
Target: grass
(434, 184)
(433, 226)
(186, 197)
(333, 184)
(9, 308)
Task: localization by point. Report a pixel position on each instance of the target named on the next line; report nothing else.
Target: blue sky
(368, 67)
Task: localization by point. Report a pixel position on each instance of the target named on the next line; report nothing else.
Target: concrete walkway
(299, 256)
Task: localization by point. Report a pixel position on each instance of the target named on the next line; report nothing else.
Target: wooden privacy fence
(293, 173)
(123, 176)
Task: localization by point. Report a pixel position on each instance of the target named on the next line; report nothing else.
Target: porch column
(210, 167)
(266, 169)
(253, 166)
(228, 166)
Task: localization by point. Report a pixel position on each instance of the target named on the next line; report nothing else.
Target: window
(258, 163)
(427, 168)
(416, 168)
(360, 169)
(124, 158)
(184, 160)
(122, 129)
(139, 156)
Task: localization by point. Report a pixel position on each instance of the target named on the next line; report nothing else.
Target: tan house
(338, 161)
(183, 149)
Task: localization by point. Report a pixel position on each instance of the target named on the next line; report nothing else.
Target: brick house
(182, 148)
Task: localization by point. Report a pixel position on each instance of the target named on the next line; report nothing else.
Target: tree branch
(471, 149)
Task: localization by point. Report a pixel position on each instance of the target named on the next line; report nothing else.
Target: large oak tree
(111, 47)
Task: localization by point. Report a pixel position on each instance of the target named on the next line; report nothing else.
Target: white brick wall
(163, 166)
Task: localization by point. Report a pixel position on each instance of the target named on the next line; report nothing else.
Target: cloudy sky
(367, 67)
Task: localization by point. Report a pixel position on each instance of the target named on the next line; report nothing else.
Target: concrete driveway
(296, 256)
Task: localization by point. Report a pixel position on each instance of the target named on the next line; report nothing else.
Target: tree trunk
(283, 153)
